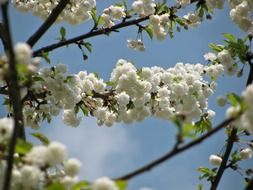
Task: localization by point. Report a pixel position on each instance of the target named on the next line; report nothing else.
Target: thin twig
(14, 94)
(92, 33)
(48, 23)
(176, 150)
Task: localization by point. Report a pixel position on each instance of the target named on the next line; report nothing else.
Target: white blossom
(246, 153)
(56, 153)
(215, 160)
(72, 167)
(104, 183)
(6, 128)
(23, 53)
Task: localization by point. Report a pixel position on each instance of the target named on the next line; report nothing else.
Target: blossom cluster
(247, 117)
(241, 13)
(144, 7)
(159, 25)
(225, 58)
(135, 93)
(41, 165)
(74, 13)
(112, 14)
(23, 56)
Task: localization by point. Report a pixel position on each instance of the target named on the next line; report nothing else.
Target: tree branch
(97, 32)
(176, 150)
(88, 35)
(14, 94)
(225, 158)
(250, 185)
(232, 138)
(48, 22)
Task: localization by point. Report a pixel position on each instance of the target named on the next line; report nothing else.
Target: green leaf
(23, 147)
(84, 110)
(45, 55)
(206, 173)
(200, 186)
(203, 125)
(180, 21)
(234, 99)
(37, 78)
(80, 185)
(149, 31)
(230, 37)
(94, 15)
(88, 46)
(56, 186)
(41, 137)
(96, 75)
(110, 83)
(63, 34)
(121, 184)
(188, 130)
(215, 47)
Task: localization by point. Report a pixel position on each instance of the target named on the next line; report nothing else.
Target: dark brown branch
(232, 138)
(3, 35)
(97, 32)
(225, 158)
(176, 150)
(88, 35)
(14, 93)
(48, 22)
(250, 185)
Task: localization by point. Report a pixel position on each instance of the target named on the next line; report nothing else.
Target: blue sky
(120, 149)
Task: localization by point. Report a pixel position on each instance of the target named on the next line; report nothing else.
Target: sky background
(120, 149)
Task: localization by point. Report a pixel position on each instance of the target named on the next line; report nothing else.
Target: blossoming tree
(178, 94)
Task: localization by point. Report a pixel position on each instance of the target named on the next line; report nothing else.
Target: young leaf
(63, 34)
(234, 99)
(23, 147)
(56, 186)
(149, 31)
(41, 137)
(230, 37)
(45, 55)
(88, 46)
(80, 185)
(121, 184)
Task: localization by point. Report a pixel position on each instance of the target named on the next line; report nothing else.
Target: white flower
(23, 53)
(72, 167)
(215, 4)
(248, 95)
(38, 155)
(246, 153)
(70, 118)
(104, 183)
(6, 128)
(215, 160)
(136, 44)
(184, 3)
(193, 18)
(30, 176)
(210, 56)
(68, 181)
(211, 114)
(144, 7)
(56, 153)
(123, 99)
